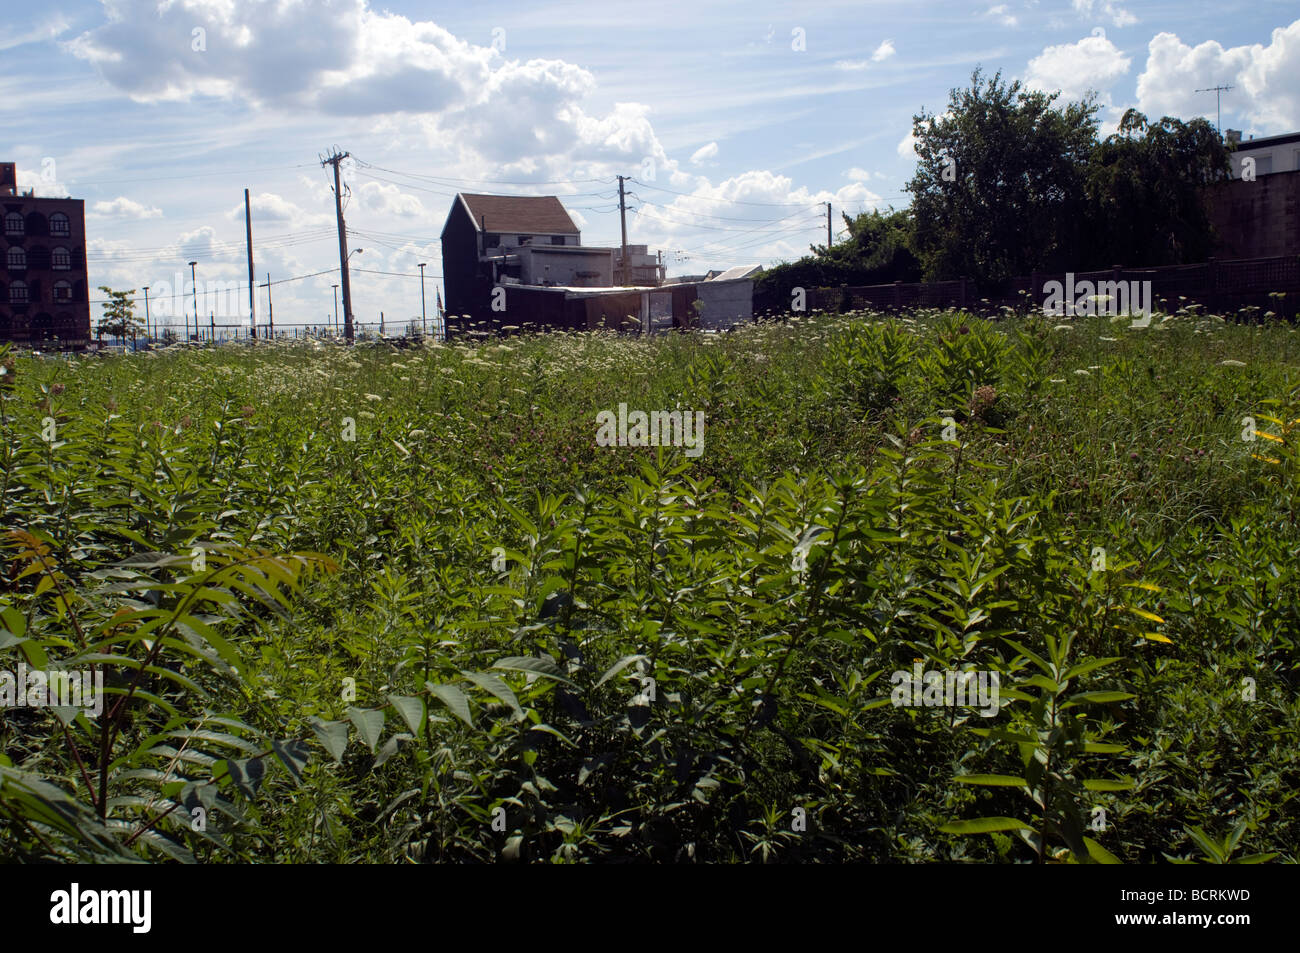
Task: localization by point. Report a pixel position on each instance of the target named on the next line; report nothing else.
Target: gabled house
(492, 241)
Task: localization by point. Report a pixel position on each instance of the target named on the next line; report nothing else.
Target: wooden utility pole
(248, 232)
(828, 228)
(334, 159)
(622, 217)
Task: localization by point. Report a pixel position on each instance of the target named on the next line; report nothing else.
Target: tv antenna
(1218, 91)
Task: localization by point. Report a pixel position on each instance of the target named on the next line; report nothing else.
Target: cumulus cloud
(883, 52)
(341, 58)
(703, 153)
(123, 207)
(852, 65)
(1074, 68)
(907, 146)
(388, 199)
(1267, 79)
(1104, 10)
(41, 185)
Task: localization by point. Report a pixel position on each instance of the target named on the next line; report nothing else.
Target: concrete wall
(570, 265)
(1257, 219)
(725, 303)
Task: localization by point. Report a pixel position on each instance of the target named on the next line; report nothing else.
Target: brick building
(43, 287)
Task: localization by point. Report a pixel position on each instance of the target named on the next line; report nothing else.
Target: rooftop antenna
(1218, 91)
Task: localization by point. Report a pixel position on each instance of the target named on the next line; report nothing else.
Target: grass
(389, 605)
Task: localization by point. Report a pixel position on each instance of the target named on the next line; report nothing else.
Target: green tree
(877, 251)
(119, 319)
(1145, 190)
(999, 188)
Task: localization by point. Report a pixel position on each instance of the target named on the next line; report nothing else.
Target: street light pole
(146, 311)
(194, 293)
(424, 329)
(336, 307)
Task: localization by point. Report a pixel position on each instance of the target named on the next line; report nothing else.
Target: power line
(707, 198)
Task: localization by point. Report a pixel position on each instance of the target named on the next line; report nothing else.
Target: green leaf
(1100, 854)
(527, 663)
(370, 724)
(992, 780)
(293, 755)
(412, 711)
(1104, 784)
(496, 687)
(985, 825)
(1097, 698)
(247, 774)
(453, 698)
(617, 667)
(333, 736)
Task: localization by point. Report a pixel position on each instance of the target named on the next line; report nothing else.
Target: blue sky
(734, 120)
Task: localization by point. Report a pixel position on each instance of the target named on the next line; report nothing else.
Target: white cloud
(883, 52)
(703, 153)
(1105, 10)
(123, 207)
(1003, 14)
(907, 146)
(1266, 80)
(753, 216)
(41, 186)
(389, 200)
(354, 62)
(47, 29)
(857, 174)
(852, 65)
(1074, 68)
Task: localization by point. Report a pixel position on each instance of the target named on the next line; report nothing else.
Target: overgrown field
(388, 605)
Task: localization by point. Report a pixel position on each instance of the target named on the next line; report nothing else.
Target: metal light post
(146, 312)
(194, 293)
(424, 329)
(336, 308)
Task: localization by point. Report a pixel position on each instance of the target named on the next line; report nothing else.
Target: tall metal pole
(270, 307)
(424, 327)
(336, 307)
(146, 311)
(194, 292)
(248, 231)
(828, 227)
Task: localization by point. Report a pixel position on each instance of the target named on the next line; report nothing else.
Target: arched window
(17, 259)
(18, 292)
(59, 225)
(62, 260)
(62, 291)
(14, 224)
